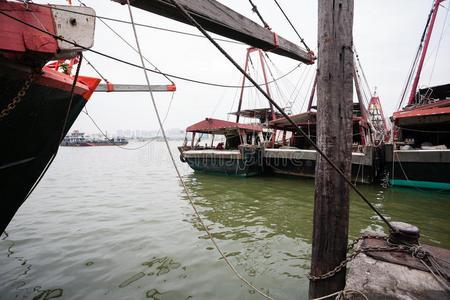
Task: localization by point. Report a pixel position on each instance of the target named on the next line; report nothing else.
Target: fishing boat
(291, 154)
(37, 104)
(233, 149)
(419, 155)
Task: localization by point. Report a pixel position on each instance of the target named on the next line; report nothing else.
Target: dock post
(334, 131)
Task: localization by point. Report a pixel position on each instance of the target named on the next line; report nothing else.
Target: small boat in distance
(79, 139)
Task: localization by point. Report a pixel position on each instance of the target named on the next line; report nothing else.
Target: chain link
(16, 100)
(353, 254)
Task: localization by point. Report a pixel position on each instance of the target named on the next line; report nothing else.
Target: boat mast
(250, 50)
(424, 52)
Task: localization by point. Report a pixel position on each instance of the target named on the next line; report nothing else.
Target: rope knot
(419, 252)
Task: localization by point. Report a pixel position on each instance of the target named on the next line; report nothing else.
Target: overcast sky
(386, 36)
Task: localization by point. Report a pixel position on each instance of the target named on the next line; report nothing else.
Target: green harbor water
(107, 223)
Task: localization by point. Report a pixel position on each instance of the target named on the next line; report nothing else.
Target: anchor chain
(16, 100)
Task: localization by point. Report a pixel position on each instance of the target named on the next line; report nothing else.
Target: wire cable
(255, 10)
(439, 44)
(293, 27)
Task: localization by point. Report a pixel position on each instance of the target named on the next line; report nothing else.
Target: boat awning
(256, 113)
(299, 119)
(220, 127)
(303, 119)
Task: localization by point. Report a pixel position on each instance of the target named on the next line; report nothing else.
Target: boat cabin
(229, 135)
(230, 148)
(307, 122)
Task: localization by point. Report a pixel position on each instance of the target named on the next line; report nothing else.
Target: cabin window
(233, 142)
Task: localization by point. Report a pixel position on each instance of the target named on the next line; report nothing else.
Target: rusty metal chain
(353, 255)
(16, 100)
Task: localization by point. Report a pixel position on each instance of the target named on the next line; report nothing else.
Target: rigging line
(301, 86)
(153, 139)
(439, 44)
(135, 65)
(137, 24)
(299, 130)
(291, 96)
(175, 165)
(293, 27)
(255, 10)
(362, 71)
(96, 71)
(277, 87)
(131, 46)
(309, 90)
(416, 59)
(72, 91)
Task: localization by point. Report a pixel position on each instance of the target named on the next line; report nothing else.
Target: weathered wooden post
(334, 129)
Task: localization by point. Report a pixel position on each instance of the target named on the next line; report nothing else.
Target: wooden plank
(334, 136)
(217, 18)
(133, 88)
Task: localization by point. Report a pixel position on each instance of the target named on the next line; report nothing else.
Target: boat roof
(256, 113)
(305, 118)
(216, 126)
(308, 117)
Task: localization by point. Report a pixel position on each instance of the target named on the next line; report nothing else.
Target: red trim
(110, 86)
(421, 112)
(427, 106)
(64, 82)
(276, 43)
(172, 87)
(214, 124)
(91, 83)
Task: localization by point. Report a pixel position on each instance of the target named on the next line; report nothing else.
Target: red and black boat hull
(31, 132)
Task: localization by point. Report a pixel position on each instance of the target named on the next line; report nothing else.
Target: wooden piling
(334, 130)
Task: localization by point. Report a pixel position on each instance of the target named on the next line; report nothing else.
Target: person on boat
(219, 146)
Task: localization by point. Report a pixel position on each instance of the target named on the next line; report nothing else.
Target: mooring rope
(178, 171)
(340, 295)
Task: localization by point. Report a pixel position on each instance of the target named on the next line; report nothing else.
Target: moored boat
(419, 155)
(37, 104)
(79, 139)
(234, 148)
(293, 155)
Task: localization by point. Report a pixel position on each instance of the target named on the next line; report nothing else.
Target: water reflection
(156, 267)
(264, 223)
(253, 209)
(49, 294)
(256, 209)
